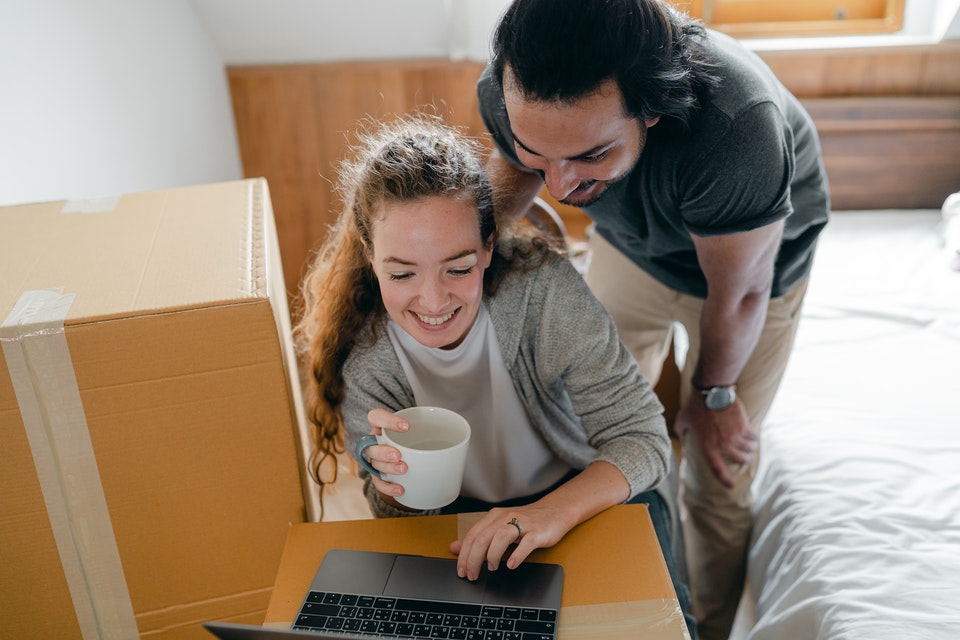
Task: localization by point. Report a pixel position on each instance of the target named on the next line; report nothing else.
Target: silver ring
(514, 522)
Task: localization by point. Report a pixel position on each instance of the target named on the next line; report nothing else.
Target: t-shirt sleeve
(742, 180)
(493, 111)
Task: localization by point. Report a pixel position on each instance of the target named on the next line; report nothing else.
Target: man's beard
(607, 183)
(596, 196)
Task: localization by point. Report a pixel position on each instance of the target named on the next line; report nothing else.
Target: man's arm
(513, 188)
(739, 273)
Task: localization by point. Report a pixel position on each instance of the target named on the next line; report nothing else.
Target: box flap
(139, 252)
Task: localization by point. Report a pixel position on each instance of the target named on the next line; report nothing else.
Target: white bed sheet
(858, 499)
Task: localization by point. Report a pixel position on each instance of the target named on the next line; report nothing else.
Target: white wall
(292, 31)
(102, 97)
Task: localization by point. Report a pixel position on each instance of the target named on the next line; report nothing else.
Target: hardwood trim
(775, 18)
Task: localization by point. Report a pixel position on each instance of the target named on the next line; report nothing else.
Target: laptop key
(488, 623)
(431, 606)
(318, 609)
(387, 628)
(313, 622)
(529, 626)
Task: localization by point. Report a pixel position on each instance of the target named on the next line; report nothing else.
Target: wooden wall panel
(293, 126)
(893, 71)
(889, 152)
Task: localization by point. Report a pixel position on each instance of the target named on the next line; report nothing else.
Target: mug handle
(367, 441)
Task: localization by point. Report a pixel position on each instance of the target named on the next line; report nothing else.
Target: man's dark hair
(561, 50)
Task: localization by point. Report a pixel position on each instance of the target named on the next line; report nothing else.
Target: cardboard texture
(616, 582)
(151, 435)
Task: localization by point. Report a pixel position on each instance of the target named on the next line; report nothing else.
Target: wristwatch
(719, 398)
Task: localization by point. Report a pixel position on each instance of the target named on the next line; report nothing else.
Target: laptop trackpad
(432, 579)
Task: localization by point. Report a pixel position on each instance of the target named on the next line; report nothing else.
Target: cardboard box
(151, 430)
(616, 584)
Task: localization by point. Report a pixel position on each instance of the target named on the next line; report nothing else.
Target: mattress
(857, 504)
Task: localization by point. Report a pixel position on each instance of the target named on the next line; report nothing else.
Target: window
(776, 18)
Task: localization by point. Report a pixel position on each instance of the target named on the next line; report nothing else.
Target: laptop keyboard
(382, 617)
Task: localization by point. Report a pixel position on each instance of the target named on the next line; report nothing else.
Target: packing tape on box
(38, 359)
(653, 619)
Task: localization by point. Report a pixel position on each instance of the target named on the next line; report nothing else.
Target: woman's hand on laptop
(543, 523)
(507, 535)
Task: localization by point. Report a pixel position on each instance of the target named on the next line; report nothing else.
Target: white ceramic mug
(435, 451)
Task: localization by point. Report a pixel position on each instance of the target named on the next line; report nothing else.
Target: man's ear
(652, 121)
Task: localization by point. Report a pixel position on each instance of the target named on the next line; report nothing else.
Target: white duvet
(858, 499)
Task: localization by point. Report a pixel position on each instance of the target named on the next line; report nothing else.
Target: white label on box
(91, 205)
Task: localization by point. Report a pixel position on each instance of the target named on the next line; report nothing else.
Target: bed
(857, 508)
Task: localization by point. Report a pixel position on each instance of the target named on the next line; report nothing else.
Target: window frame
(879, 17)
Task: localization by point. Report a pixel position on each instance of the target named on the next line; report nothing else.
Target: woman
(413, 300)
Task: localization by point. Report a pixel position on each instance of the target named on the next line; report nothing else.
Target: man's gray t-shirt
(750, 157)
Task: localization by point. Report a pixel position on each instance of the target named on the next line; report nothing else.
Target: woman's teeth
(435, 320)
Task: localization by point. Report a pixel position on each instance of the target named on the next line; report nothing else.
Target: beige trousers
(716, 521)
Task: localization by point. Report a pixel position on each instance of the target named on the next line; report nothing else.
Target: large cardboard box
(151, 431)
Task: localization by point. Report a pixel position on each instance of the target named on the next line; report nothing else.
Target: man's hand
(726, 436)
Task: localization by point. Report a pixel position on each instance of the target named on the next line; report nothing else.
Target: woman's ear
(487, 256)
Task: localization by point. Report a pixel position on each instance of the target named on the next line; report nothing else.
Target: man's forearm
(513, 189)
(728, 335)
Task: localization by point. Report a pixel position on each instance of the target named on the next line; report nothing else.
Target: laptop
(356, 595)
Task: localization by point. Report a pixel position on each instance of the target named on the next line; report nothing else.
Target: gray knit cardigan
(581, 388)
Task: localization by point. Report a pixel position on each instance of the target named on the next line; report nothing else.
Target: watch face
(719, 398)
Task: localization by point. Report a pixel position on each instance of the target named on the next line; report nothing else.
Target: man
(704, 180)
